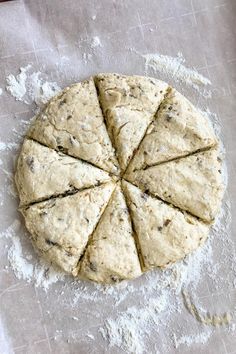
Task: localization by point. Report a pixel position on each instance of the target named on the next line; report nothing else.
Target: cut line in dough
(43, 173)
(129, 104)
(61, 227)
(164, 233)
(178, 130)
(192, 183)
(73, 122)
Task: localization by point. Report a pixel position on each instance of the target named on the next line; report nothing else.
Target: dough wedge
(165, 234)
(73, 218)
(129, 104)
(178, 129)
(192, 183)
(43, 172)
(112, 255)
(72, 122)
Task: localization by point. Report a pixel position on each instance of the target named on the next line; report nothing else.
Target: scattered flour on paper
(20, 266)
(17, 84)
(196, 338)
(126, 332)
(29, 87)
(131, 328)
(7, 146)
(87, 57)
(40, 273)
(174, 67)
(41, 91)
(90, 336)
(96, 42)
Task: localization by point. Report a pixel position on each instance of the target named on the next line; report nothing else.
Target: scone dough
(129, 104)
(177, 130)
(43, 172)
(61, 227)
(112, 256)
(118, 175)
(193, 183)
(73, 123)
(164, 233)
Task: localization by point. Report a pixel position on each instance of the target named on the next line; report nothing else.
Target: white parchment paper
(65, 41)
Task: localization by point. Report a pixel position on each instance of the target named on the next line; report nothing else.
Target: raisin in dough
(42, 172)
(61, 227)
(165, 234)
(129, 104)
(192, 183)
(73, 122)
(112, 256)
(177, 130)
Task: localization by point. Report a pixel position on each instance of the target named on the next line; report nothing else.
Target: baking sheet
(57, 38)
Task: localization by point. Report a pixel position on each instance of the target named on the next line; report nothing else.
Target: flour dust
(40, 272)
(29, 87)
(173, 68)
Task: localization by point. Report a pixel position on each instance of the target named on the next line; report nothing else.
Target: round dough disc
(119, 175)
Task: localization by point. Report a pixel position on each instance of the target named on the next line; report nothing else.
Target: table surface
(55, 37)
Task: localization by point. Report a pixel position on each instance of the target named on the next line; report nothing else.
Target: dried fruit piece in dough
(192, 183)
(165, 234)
(112, 256)
(178, 129)
(129, 104)
(61, 227)
(43, 172)
(73, 123)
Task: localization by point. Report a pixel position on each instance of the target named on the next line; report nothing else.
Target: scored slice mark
(154, 196)
(73, 122)
(111, 137)
(73, 218)
(192, 183)
(136, 239)
(62, 151)
(91, 235)
(146, 167)
(111, 255)
(165, 234)
(178, 130)
(43, 173)
(146, 131)
(60, 196)
(129, 104)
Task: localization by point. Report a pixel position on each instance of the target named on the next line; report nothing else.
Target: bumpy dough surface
(61, 227)
(177, 130)
(43, 172)
(129, 104)
(165, 234)
(193, 183)
(118, 175)
(73, 123)
(112, 253)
